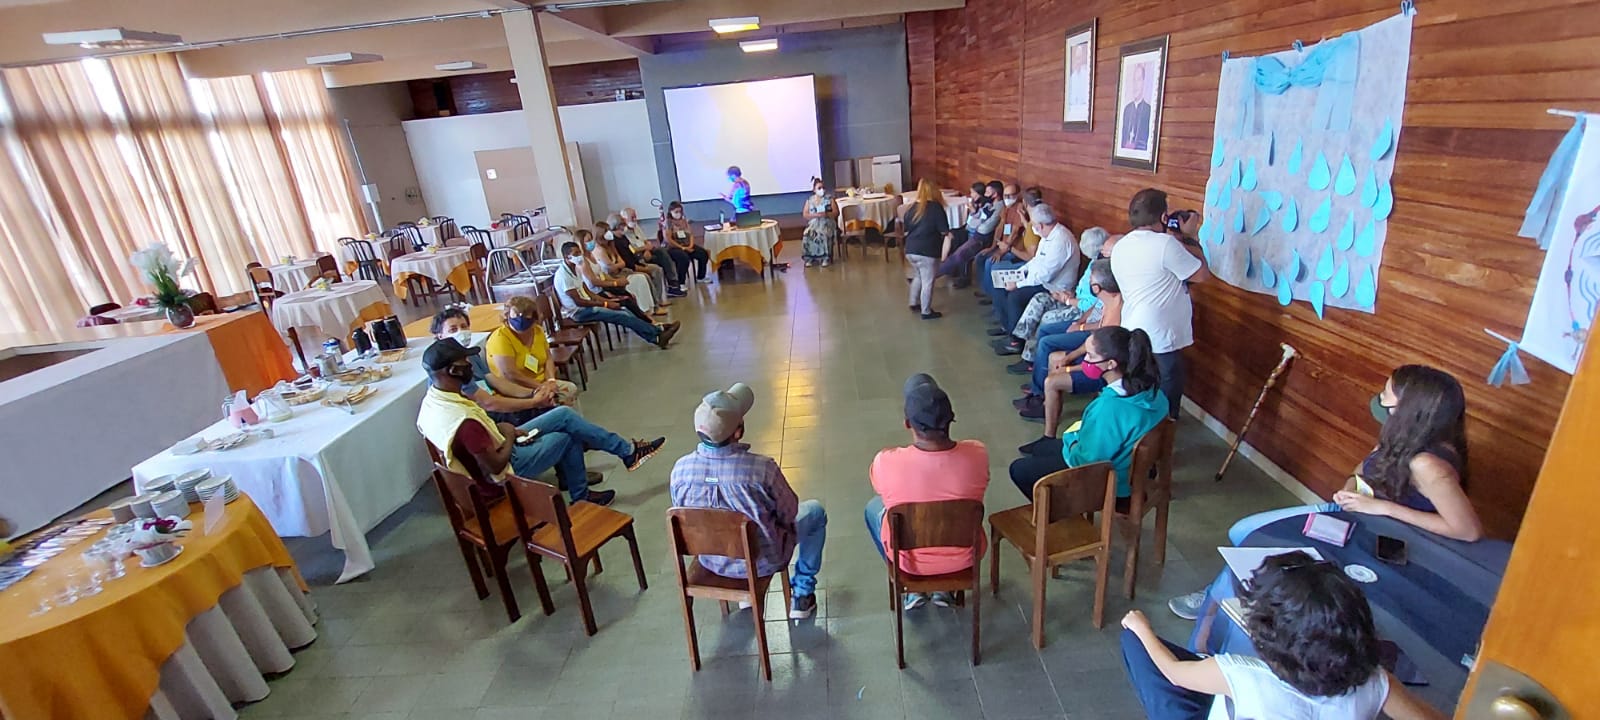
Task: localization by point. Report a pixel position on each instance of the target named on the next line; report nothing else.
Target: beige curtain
(36, 287)
(312, 138)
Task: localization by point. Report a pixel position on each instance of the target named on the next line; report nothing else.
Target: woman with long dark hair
(1416, 474)
(681, 245)
(1131, 405)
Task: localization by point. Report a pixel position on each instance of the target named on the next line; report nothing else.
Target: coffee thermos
(362, 341)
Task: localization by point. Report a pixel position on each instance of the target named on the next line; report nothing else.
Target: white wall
(613, 138)
(375, 113)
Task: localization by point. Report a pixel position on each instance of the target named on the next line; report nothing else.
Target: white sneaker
(914, 601)
(744, 604)
(943, 599)
(1187, 606)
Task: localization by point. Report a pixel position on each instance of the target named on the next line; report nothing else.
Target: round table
(955, 206)
(755, 246)
(294, 276)
(334, 312)
(873, 210)
(184, 640)
(447, 265)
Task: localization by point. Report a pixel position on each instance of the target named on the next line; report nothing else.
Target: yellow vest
(441, 416)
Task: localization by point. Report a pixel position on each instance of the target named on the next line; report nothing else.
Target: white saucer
(174, 556)
(1360, 573)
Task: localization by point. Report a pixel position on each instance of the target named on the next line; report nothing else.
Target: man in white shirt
(583, 306)
(1054, 266)
(1152, 268)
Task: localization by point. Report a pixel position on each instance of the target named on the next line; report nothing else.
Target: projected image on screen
(766, 127)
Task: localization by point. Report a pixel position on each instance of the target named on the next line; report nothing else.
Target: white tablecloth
(326, 469)
(430, 234)
(134, 313)
(761, 238)
(879, 209)
(228, 648)
(294, 276)
(955, 206)
(435, 266)
(329, 312)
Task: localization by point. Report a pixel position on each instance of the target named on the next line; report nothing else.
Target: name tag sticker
(1008, 229)
(712, 480)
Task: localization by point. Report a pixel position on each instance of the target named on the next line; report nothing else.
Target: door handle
(1511, 707)
(1502, 693)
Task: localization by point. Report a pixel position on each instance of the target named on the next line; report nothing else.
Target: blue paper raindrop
(1249, 263)
(1297, 157)
(1385, 204)
(1273, 199)
(1285, 292)
(1238, 172)
(1263, 218)
(1325, 263)
(1248, 182)
(1341, 280)
(1367, 240)
(1269, 277)
(1272, 148)
(1369, 189)
(1322, 217)
(1318, 297)
(1291, 216)
(1291, 272)
(1384, 141)
(1347, 234)
(1321, 175)
(1217, 155)
(1367, 289)
(1224, 195)
(1238, 221)
(1345, 182)
(1211, 194)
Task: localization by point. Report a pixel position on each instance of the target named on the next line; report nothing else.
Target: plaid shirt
(733, 478)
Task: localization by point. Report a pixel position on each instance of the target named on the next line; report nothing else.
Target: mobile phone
(528, 436)
(1391, 550)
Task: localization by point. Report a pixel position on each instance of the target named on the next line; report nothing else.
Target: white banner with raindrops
(1299, 198)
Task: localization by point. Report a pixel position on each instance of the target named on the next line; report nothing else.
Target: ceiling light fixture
(723, 26)
(755, 46)
(344, 58)
(459, 66)
(111, 38)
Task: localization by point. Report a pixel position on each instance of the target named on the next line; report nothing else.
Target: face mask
(460, 372)
(1010, 202)
(818, 191)
(464, 337)
(1380, 411)
(677, 213)
(610, 235)
(590, 244)
(1093, 371)
(520, 324)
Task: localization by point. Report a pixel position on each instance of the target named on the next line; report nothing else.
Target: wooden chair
(479, 272)
(396, 243)
(368, 266)
(328, 268)
(411, 235)
(951, 523)
(468, 503)
(1150, 473)
(897, 233)
(261, 285)
(566, 346)
(1056, 530)
(294, 344)
(447, 227)
(203, 303)
(565, 331)
(852, 225)
(705, 531)
(478, 237)
(104, 308)
(569, 534)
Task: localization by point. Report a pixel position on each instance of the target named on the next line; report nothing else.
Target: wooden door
(510, 180)
(1545, 623)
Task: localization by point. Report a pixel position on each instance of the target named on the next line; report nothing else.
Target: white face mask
(819, 192)
(464, 337)
(677, 214)
(1010, 202)
(610, 235)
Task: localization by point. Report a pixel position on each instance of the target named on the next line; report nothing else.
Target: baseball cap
(927, 405)
(444, 353)
(720, 413)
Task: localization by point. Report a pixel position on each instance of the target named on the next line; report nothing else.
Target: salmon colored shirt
(906, 475)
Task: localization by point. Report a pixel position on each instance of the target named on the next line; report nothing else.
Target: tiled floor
(826, 351)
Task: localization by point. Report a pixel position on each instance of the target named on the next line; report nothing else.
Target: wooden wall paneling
(1474, 142)
(494, 92)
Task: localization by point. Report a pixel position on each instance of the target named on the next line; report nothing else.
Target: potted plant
(154, 540)
(160, 270)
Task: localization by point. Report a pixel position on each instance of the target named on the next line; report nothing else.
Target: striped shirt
(733, 478)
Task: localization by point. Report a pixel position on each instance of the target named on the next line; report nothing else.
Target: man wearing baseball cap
(722, 473)
(461, 430)
(933, 468)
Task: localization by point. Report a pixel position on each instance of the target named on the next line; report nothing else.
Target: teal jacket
(1112, 424)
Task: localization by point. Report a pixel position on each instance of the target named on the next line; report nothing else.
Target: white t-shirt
(567, 280)
(1150, 267)
(1257, 694)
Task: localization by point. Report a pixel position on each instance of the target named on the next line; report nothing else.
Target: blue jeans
(874, 517)
(811, 531)
(1060, 341)
(557, 450)
(589, 436)
(986, 276)
(618, 317)
(1161, 699)
(1252, 523)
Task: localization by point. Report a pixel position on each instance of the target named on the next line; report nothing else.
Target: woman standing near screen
(739, 195)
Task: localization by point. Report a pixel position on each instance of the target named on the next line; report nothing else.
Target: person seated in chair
(723, 473)
(632, 292)
(579, 304)
(505, 400)
(475, 445)
(517, 353)
(1130, 405)
(933, 468)
(1062, 348)
(681, 245)
(650, 249)
(1318, 656)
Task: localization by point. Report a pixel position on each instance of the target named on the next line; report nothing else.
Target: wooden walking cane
(1288, 354)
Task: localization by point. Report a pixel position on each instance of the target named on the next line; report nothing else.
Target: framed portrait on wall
(1141, 81)
(1077, 104)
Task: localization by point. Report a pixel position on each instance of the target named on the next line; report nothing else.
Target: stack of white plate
(122, 510)
(170, 504)
(159, 485)
(223, 484)
(141, 506)
(186, 483)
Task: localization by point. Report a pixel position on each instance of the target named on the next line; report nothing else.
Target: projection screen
(766, 127)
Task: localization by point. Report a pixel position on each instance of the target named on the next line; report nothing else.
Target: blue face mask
(520, 324)
(588, 245)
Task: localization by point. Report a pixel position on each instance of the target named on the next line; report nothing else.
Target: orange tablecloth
(101, 657)
(250, 351)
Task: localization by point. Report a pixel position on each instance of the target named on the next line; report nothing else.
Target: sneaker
(943, 599)
(677, 292)
(595, 477)
(810, 263)
(1032, 408)
(1009, 349)
(804, 606)
(827, 261)
(1187, 606)
(660, 311)
(932, 315)
(997, 332)
(986, 301)
(1030, 447)
(914, 601)
(642, 450)
(744, 604)
(1020, 367)
(667, 331)
(600, 497)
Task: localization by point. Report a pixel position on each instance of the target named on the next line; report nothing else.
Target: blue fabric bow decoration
(1509, 367)
(1539, 221)
(1331, 66)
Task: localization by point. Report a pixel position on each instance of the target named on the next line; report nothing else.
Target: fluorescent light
(755, 46)
(723, 26)
(111, 38)
(459, 65)
(344, 58)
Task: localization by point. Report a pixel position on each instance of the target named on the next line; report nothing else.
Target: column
(526, 41)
